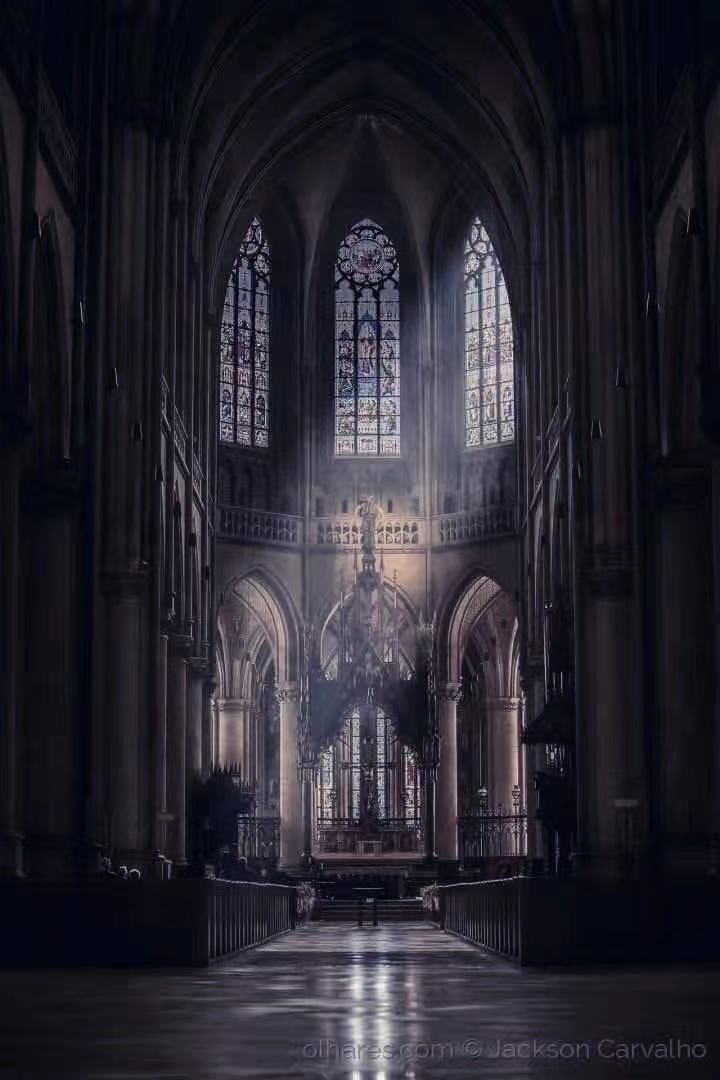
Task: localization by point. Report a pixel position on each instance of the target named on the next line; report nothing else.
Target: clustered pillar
(446, 831)
(291, 827)
(503, 731)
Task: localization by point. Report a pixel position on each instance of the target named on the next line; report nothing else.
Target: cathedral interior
(359, 520)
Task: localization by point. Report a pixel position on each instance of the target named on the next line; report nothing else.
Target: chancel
(359, 515)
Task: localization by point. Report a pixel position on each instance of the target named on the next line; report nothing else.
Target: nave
(339, 1001)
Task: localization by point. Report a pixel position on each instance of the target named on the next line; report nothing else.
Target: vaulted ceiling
(425, 100)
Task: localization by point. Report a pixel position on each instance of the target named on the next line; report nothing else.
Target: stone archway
(258, 643)
(479, 708)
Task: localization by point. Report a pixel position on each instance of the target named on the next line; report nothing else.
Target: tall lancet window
(367, 344)
(245, 345)
(489, 385)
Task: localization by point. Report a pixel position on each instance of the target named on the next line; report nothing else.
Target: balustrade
(398, 532)
(480, 524)
(257, 525)
(240, 523)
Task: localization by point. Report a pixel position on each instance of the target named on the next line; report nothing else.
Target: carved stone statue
(370, 515)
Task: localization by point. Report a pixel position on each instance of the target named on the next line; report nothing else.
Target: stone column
(214, 731)
(208, 726)
(686, 772)
(231, 731)
(124, 760)
(607, 605)
(533, 682)
(447, 786)
(179, 654)
(503, 725)
(428, 806)
(291, 828)
(161, 807)
(198, 680)
(259, 728)
(10, 839)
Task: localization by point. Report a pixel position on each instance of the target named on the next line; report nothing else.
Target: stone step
(384, 910)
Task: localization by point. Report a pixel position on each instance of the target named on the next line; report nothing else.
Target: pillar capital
(503, 704)
(451, 691)
(233, 704)
(285, 692)
(607, 570)
(198, 667)
(180, 646)
(126, 584)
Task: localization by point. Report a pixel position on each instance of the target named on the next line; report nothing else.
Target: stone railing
(258, 526)
(345, 531)
(474, 525)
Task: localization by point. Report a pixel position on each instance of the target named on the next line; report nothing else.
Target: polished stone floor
(338, 1001)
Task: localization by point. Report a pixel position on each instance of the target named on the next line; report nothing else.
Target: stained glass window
(489, 379)
(245, 345)
(367, 344)
(326, 809)
(381, 734)
(353, 730)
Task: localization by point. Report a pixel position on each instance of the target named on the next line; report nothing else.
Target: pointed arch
(245, 345)
(467, 602)
(367, 344)
(266, 598)
(489, 362)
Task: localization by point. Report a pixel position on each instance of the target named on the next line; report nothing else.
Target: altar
(348, 838)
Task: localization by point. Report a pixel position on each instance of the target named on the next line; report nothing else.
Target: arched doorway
(254, 726)
(480, 719)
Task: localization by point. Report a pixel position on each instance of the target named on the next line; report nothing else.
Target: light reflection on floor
(336, 1001)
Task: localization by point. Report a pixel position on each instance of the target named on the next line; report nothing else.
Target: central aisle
(337, 1001)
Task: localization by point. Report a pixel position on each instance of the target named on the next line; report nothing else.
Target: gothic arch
(261, 592)
(327, 648)
(475, 593)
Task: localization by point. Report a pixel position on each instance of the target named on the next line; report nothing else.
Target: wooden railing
(105, 921)
(241, 914)
(487, 913)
